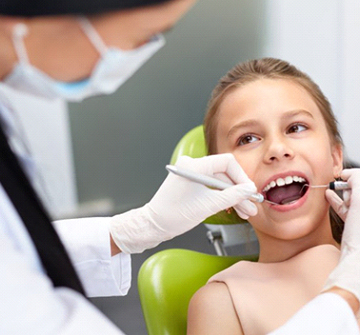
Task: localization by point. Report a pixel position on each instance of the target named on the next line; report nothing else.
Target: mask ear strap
(20, 30)
(92, 35)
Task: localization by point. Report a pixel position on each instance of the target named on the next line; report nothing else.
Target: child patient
(278, 124)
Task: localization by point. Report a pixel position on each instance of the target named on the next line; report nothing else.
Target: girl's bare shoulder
(211, 311)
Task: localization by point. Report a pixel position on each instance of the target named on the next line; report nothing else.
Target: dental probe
(209, 181)
(334, 185)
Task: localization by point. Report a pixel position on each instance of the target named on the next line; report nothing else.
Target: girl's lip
(291, 206)
(295, 204)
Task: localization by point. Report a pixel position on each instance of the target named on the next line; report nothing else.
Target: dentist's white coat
(29, 304)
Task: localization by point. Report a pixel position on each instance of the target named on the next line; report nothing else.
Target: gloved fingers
(250, 186)
(241, 213)
(219, 200)
(243, 206)
(347, 173)
(227, 164)
(337, 204)
(184, 161)
(214, 165)
(246, 209)
(224, 177)
(203, 165)
(347, 197)
(352, 176)
(352, 196)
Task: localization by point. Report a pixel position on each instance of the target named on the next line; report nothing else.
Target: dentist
(73, 50)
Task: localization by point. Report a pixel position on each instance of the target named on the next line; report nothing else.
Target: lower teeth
(289, 201)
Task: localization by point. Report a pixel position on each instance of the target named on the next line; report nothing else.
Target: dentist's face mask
(112, 70)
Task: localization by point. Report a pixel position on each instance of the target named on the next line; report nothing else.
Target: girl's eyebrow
(254, 122)
(297, 112)
(242, 124)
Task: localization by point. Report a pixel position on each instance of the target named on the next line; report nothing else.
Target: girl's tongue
(286, 194)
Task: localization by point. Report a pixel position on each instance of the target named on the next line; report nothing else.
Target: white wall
(322, 38)
(350, 79)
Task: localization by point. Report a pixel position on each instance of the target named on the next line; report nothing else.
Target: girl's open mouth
(285, 191)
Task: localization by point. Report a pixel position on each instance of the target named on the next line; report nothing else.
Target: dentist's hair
(270, 68)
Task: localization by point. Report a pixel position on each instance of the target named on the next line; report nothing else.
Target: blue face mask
(112, 70)
(72, 87)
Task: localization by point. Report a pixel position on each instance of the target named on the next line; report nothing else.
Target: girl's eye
(297, 128)
(246, 139)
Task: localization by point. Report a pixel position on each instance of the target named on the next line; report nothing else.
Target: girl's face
(278, 135)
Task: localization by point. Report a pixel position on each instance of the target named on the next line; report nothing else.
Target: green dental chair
(168, 279)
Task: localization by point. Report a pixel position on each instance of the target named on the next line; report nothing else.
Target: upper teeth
(283, 181)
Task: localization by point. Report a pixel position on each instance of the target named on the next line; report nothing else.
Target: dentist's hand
(180, 204)
(346, 275)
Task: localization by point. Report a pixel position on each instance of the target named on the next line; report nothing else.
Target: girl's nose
(278, 149)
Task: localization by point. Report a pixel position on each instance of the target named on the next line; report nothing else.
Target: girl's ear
(337, 156)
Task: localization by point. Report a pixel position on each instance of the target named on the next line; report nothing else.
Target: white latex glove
(346, 275)
(180, 204)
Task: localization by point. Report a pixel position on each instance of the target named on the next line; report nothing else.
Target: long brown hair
(271, 68)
